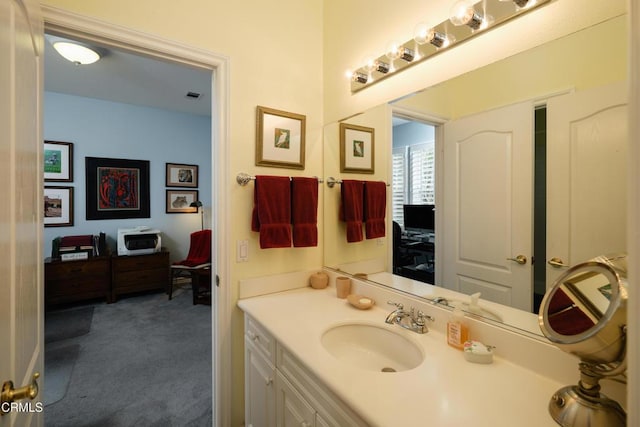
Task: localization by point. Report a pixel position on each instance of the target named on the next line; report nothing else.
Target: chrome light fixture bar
(476, 17)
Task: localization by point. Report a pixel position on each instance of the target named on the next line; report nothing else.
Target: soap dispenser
(457, 329)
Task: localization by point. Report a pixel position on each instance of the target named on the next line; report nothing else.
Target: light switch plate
(242, 251)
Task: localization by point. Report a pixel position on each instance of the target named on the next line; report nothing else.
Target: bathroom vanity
(292, 377)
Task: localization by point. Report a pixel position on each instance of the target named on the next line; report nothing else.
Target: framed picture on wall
(357, 144)
(280, 138)
(117, 188)
(58, 161)
(179, 201)
(58, 206)
(178, 175)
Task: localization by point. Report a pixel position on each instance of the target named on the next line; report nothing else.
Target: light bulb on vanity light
(395, 50)
(376, 65)
(357, 76)
(427, 34)
(463, 13)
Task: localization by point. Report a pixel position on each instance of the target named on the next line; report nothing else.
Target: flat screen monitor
(419, 218)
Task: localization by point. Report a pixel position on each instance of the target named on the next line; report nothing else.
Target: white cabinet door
(292, 409)
(587, 139)
(260, 403)
(487, 206)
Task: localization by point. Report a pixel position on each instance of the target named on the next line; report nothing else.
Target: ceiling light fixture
(78, 54)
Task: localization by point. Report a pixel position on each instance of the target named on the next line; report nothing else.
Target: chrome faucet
(412, 320)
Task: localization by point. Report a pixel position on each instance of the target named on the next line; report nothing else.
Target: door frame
(68, 24)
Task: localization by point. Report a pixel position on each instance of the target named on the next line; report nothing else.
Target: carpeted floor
(142, 361)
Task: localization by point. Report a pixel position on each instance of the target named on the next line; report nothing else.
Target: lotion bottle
(457, 329)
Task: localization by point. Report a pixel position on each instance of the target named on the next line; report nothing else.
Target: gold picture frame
(280, 138)
(357, 148)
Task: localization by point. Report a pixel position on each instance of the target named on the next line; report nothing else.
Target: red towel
(304, 211)
(351, 208)
(199, 249)
(272, 211)
(375, 208)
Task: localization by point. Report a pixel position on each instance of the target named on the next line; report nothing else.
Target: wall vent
(193, 95)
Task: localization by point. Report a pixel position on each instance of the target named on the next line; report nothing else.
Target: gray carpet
(145, 361)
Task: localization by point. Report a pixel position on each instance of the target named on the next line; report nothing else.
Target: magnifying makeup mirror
(585, 314)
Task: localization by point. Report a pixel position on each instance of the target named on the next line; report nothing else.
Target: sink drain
(387, 370)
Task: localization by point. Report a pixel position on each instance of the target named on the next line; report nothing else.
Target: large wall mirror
(529, 168)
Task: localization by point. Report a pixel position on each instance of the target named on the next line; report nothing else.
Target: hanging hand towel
(375, 208)
(304, 211)
(272, 211)
(351, 208)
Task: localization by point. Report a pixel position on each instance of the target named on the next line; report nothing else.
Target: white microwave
(138, 241)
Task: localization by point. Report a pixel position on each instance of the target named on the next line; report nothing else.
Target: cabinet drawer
(72, 286)
(263, 340)
(142, 279)
(141, 262)
(69, 269)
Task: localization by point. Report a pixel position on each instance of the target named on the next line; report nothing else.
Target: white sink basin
(371, 347)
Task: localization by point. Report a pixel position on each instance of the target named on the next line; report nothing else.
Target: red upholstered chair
(198, 260)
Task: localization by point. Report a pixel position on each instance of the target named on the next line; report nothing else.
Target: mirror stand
(583, 405)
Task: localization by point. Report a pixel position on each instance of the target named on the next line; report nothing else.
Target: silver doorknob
(520, 259)
(557, 263)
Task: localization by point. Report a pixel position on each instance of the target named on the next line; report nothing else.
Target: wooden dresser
(70, 281)
(139, 273)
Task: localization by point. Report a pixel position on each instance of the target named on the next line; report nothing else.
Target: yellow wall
(275, 51)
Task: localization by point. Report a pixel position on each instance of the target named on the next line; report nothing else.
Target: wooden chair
(198, 259)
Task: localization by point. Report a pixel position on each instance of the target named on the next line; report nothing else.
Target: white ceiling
(122, 77)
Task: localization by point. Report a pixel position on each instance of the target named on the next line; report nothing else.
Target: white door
(21, 264)
(487, 209)
(587, 140)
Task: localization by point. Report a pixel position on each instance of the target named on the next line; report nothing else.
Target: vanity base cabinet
(259, 376)
(297, 398)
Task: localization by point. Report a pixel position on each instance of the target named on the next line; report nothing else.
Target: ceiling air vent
(193, 95)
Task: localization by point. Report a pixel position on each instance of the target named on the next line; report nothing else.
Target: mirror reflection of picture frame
(58, 206)
(58, 161)
(179, 201)
(280, 138)
(357, 148)
(180, 175)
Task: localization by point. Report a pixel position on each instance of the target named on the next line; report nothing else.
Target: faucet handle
(397, 304)
(421, 317)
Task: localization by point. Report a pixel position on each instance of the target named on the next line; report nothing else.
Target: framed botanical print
(58, 206)
(280, 138)
(58, 161)
(117, 188)
(357, 143)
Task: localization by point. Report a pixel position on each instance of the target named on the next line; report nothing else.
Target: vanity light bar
(485, 15)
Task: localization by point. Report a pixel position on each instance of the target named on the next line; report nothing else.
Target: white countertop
(445, 390)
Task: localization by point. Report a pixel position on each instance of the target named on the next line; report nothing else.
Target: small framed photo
(356, 149)
(280, 138)
(58, 206)
(178, 175)
(58, 161)
(179, 201)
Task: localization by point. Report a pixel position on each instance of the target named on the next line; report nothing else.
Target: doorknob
(10, 394)
(520, 259)
(557, 262)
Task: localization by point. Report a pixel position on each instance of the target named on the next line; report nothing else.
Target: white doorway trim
(68, 24)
